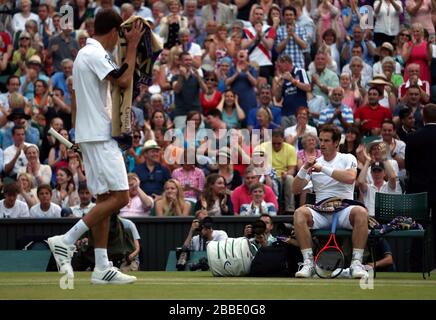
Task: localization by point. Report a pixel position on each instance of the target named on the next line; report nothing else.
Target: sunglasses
(404, 34)
(210, 79)
(136, 137)
(24, 38)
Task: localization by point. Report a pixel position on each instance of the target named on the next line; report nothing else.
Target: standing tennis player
(93, 71)
(332, 175)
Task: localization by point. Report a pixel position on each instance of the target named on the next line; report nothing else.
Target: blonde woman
(172, 24)
(39, 173)
(418, 51)
(172, 202)
(27, 191)
(167, 72)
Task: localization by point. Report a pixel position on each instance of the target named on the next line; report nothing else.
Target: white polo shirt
(53, 212)
(19, 210)
(94, 103)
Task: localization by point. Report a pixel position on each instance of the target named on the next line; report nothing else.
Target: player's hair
(336, 133)
(105, 21)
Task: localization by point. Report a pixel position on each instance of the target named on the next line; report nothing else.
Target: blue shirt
(32, 136)
(244, 89)
(276, 113)
(294, 97)
(30, 89)
(152, 182)
(58, 80)
(366, 56)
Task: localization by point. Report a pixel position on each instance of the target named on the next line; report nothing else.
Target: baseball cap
(377, 166)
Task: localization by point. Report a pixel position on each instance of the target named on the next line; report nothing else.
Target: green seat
(389, 206)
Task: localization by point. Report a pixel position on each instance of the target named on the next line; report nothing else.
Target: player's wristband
(327, 170)
(302, 173)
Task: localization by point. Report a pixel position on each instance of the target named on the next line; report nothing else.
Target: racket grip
(334, 223)
(60, 138)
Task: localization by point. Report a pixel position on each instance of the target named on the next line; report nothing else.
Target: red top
(418, 55)
(211, 104)
(6, 41)
(241, 195)
(373, 117)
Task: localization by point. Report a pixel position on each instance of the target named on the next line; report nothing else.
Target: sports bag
(279, 260)
(229, 258)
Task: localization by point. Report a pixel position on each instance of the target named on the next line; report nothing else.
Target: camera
(257, 228)
(182, 255)
(202, 265)
(206, 222)
(285, 229)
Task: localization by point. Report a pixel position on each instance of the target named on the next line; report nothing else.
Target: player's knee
(122, 199)
(300, 217)
(359, 215)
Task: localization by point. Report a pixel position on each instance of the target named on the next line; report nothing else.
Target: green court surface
(202, 285)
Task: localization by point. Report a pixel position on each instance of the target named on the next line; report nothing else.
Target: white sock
(307, 254)
(101, 259)
(357, 255)
(75, 232)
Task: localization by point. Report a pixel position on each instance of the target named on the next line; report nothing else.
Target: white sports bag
(229, 258)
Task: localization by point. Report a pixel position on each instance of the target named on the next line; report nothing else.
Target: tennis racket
(62, 140)
(330, 261)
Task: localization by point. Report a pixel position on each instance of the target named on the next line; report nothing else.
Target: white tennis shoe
(357, 270)
(306, 269)
(111, 275)
(62, 254)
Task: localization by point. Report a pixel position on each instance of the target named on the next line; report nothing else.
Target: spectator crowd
(230, 73)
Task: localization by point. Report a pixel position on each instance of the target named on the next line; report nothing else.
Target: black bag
(278, 260)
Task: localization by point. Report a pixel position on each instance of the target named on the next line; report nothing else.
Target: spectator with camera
(259, 232)
(203, 225)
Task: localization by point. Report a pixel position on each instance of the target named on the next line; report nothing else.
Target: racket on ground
(330, 261)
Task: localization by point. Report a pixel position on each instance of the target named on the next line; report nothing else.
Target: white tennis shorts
(324, 221)
(104, 167)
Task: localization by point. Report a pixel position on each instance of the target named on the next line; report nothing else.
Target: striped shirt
(328, 112)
